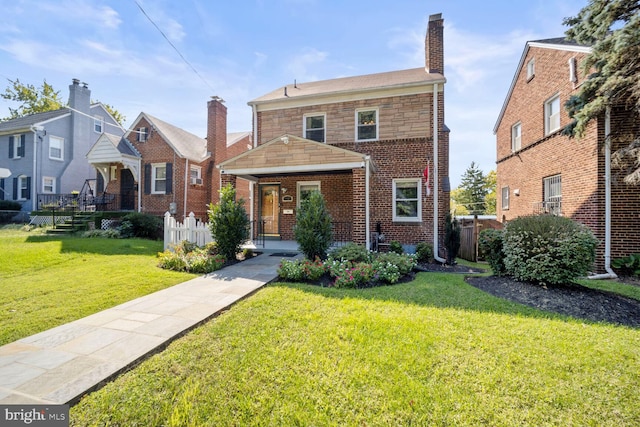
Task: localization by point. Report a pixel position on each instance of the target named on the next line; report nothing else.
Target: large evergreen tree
(473, 190)
(612, 29)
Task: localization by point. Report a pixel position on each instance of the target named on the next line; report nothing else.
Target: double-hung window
(552, 115)
(16, 146)
(516, 137)
(314, 127)
(505, 198)
(22, 190)
(407, 200)
(159, 178)
(56, 148)
(195, 175)
(48, 184)
(98, 124)
(366, 125)
(143, 134)
(553, 194)
(531, 69)
(306, 188)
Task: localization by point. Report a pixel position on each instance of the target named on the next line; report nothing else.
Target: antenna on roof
(285, 91)
(295, 84)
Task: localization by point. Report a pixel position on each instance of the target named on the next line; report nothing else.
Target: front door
(270, 209)
(127, 190)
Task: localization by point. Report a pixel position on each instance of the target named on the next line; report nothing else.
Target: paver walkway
(60, 365)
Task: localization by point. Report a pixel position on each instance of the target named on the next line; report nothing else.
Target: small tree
(229, 223)
(451, 238)
(313, 227)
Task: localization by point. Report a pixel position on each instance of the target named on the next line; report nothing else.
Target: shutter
(169, 187)
(15, 188)
(99, 183)
(147, 178)
(28, 188)
(11, 142)
(23, 143)
(2, 189)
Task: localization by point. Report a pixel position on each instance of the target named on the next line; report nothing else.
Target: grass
(46, 281)
(435, 351)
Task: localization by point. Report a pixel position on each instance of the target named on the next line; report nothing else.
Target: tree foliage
(612, 29)
(41, 99)
(491, 182)
(313, 227)
(32, 99)
(472, 190)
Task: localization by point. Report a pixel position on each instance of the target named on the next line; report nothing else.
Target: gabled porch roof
(110, 149)
(292, 154)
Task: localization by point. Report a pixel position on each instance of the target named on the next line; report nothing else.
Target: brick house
(364, 142)
(540, 170)
(45, 151)
(157, 167)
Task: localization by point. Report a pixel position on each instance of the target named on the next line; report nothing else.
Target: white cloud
(300, 65)
(79, 11)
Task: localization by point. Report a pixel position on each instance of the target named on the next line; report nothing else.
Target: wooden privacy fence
(190, 230)
(470, 228)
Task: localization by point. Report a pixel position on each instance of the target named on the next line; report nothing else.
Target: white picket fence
(191, 230)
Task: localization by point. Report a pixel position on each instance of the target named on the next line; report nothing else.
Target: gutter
(34, 180)
(607, 201)
(435, 176)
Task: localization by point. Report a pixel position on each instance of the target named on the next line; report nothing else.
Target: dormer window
(314, 127)
(143, 134)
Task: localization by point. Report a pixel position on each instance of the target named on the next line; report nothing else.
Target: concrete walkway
(62, 364)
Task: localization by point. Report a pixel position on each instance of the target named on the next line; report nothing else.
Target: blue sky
(243, 49)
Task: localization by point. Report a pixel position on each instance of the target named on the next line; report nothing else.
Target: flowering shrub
(386, 271)
(186, 257)
(386, 268)
(302, 269)
(404, 262)
(350, 275)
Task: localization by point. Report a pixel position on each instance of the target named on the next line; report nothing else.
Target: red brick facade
(579, 162)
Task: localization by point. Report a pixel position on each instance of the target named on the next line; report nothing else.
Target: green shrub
(548, 249)
(144, 226)
(351, 252)
(490, 248)
(628, 266)
(301, 269)
(229, 223)
(424, 252)
(451, 238)
(396, 247)
(313, 227)
(188, 257)
(404, 262)
(386, 272)
(109, 234)
(355, 276)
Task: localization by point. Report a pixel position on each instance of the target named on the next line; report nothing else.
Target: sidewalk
(62, 364)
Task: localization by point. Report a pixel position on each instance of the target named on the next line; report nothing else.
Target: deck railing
(78, 202)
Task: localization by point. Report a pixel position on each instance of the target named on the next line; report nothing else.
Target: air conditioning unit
(196, 181)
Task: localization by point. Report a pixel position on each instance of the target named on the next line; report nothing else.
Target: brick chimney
(434, 45)
(216, 141)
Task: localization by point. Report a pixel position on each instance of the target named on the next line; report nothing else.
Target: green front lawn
(46, 281)
(435, 351)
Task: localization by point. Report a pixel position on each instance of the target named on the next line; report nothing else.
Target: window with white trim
(314, 127)
(56, 148)
(48, 184)
(143, 134)
(98, 124)
(23, 187)
(367, 124)
(516, 137)
(16, 146)
(113, 173)
(158, 178)
(505, 198)
(195, 175)
(531, 69)
(552, 194)
(305, 188)
(407, 200)
(552, 115)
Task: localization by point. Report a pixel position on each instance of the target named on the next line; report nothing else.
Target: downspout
(366, 201)
(435, 176)
(255, 125)
(186, 187)
(607, 200)
(139, 180)
(34, 180)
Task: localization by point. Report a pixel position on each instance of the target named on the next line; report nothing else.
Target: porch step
(79, 223)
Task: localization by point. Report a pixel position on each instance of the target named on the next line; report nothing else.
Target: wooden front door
(270, 209)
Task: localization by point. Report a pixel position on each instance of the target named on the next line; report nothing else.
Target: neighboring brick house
(45, 152)
(541, 170)
(364, 142)
(174, 169)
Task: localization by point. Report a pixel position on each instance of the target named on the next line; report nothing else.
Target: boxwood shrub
(548, 249)
(490, 247)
